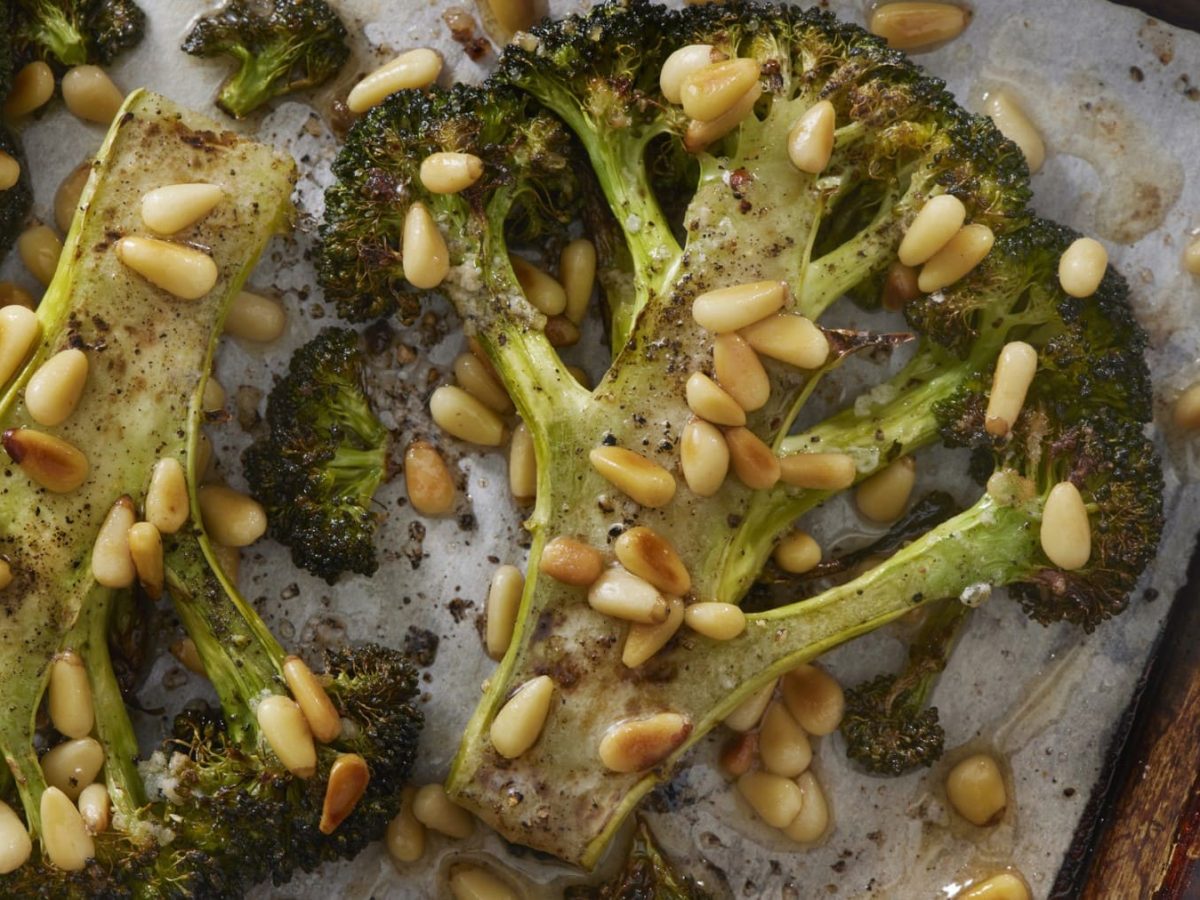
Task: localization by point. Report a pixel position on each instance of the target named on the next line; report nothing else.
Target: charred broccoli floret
(75, 32)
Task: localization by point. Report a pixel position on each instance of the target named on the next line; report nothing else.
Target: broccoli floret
(16, 201)
(322, 459)
(296, 45)
(647, 875)
(75, 32)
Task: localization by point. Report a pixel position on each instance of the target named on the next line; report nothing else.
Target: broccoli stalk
(647, 875)
(75, 32)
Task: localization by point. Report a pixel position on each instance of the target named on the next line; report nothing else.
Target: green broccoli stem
(930, 651)
(253, 84)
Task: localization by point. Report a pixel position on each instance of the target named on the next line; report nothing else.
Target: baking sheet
(1114, 94)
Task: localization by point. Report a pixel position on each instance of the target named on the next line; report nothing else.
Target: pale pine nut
(884, 496)
(503, 603)
(425, 256)
(1191, 257)
(577, 271)
(473, 882)
(718, 621)
(958, 258)
(94, 807)
(899, 286)
(56, 465)
(73, 765)
(700, 134)
(65, 838)
(112, 563)
(230, 517)
(1066, 534)
(797, 553)
(789, 338)
(645, 482)
(70, 696)
(90, 94)
(541, 289)
(480, 382)
(810, 142)
(815, 699)
(1006, 113)
(182, 271)
(709, 401)
(938, 221)
(682, 63)
(740, 372)
(638, 744)
(623, 595)
(513, 15)
(185, 651)
(348, 778)
(66, 198)
(775, 799)
(704, 457)
(53, 391)
(461, 415)
(405, 836)
(749, 712)
(643, 641)
(14, 295)
(32, 87)
(783, 744)
(15, 843)
(734, 308)
(19, 330)
(709, 92)
(167, 496)
(414, 69)
(754, 463)
(435, 810)
(818, 471)
(449, 173)
(561, 331)
(1186, 412)
(975, 789)
(213, 398)
(10, 171)
(522, 465)
(1081, 267)
(40, 249)
(813, 819)
(519, 722)
(173, 207)
(737, 756)
(649, 555)
(912, 25)
(571, 561)
(6, 574)
(253, 317)
(286, 730)
(1015, 368)
(1005, 886)
(427, 480)
(319, 712)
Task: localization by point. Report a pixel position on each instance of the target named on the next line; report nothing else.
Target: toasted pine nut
(414, 69)
(541, 289)
(286, 730)
(813, 819)
(31, 87)
(73, 765)
(56, 465)
(718, 621)
(10, 171)
(899, 287)
(405, 836)
(1082, 267)
(938, 221)
(428, 480)
(66, 198)
(733, 308)
(15, 844)
(1005, 886)
(958, 258)
(70, 696)
(480, 382)
(709, 92)
(473, 882)
(783, 744)
(910, 26)
(571, 561)
(449, 173)
(213, 398)
(797, 553)
(637, 744)
(185, 651)
(884, 496)
(1015, 369)
(623, 595)
(1066, 533)
(704, 457)
(503, 602)
(348, 778)
(682, 63)
(709, 401)
(819, 471)
(40, 249)
(975, 788)
(1186, 414)
(789, 338)
(112, 564)
(461, 415)
(746, 715)
(230, 517)
(91, 95)
(319, 712)
(649, 555)
(754, 463)
(1003, 109)
(645, 482)
(561, 331)
(1191, 256)
(643, 641)
(776, 800)
(65, 838)
(815, 699)
(519, 722)
(577, 272)
(740, 372)
(737, 756)
(173, 207)
(6, 576)
(810, 142)
(426, 258)
(180, 270)
(53, 391)
(19, 330)
(94, 807)
(435, 810)
(522, 465)
(700, 134)
(15, 295)
(253, 317)
(167, 497)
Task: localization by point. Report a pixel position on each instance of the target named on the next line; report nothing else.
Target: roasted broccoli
(75, 32)
(647, 875)
(323, 457)
(16, 199)
(297, 44)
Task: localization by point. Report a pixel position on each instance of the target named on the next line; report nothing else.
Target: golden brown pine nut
(15, 295)
(912, 25)
(645, 482)
(541, 289)
(1082, 267)
(230, 517)
(776, 800)
(737, 756)
(749, 712)
(810, 142)
(733, 308)
(819, 471)
(435, 810)
(53, 391)
(637, 744)
(461, 415)
(975, 789)
(32, 87)
(623, 595)
(1066, 533)
(65, 838)
(253, 317)
(70, 696)
(40, 249)
(700, 134)
(480, 382)
(813, 819)
(704, 457)
(899, 287)
(1186, 413)
(91, 95)
(520, 721)
(112, 564)
(783, 744)
(1005, 886)
(213, 398)
(426, 258)
(958, 258)
(94, 807)
(449, 173)
(428, 480)
(56, 465)
(173, 207)
(66, 198)
(709, 92)
(561, 332)
(73, 765)
(6, 574)
(643, 641)
(710, 402)
(182, 271)
(740, 372)
(503, 603)
(286, 730)
(473, 882)
(15, 843)
(815, 699)
(884, 496)
(1006, 113)
(577, 272)
(1191, 256)
(789, 338)
(319, 712)
(522, 466)
(348, 778)
(938, 221)
(797, 553)
(754, 463)
(185, 651)
(167, 497)
(10, 171)
(19, 330)
(719, 621)
(405, 837)
(414, 69)
(682, 63)
(571, 561)
(1015, 369)
(649, 555)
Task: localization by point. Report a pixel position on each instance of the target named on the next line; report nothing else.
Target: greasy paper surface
(1110, 92)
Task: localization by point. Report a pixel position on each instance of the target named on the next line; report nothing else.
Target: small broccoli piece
(75, 32)
(297, 44)
(17, 200)
(322, 459)
(647, 875)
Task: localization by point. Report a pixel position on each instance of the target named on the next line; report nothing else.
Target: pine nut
(461, 415)
(19, 330)
(645, 482)
(1066, 534)
(623, 595)
(428, 480)
(958, 258)
(561, 332)
(167, 497)
(789, 338)
(90, 94)
(230, 517)
(1006, 113)
(545, 294)
(286, 730)
(1191, 256)
(783, 744)
(643, 641)
(775, 799)
(112, 564)
(10, 171)
(405, 836)
(32, 87)
(975, 789)
(684, 62)
(56, 465)
(414, 69)
(65, 838)
(810, 142)
(40, 249)
(577, 271)
(70, 696)
(704, 457)
(740, 372)
(1015, 369)
(6, 574)
(819, 471)
(426, 258)
(66, 198)
(649, 555)
(910, 26)
(709, 401)
(884, 496)
(481, 383)
(182, 271)
(519, 722)
(228, 560)
(1005, 886)
(522, 466)
(815, 699)
(1186, 413)
(581, 376)
(473, 882)
(53, 391)
(319, 712)
(1082, 267)
(749, 712)
(15, 843)
(938, 221)
(185, 651)
(94, 807)
(253, 317)
(638, 744)
(449, 173)
(709, 92)
(503, 603)
(14, 295)
(700, 134)
(348, 778)
(737, 756)
(213, 398)
(899, 287)
(754, 463)
(813, 819)
(73, 765)
(733, 308)
(718, 621)
(570, 561)
(797, 553)
(435, 810)
(513, 15)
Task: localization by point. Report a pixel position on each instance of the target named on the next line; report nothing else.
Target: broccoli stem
(929, 653)
(251, 85)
